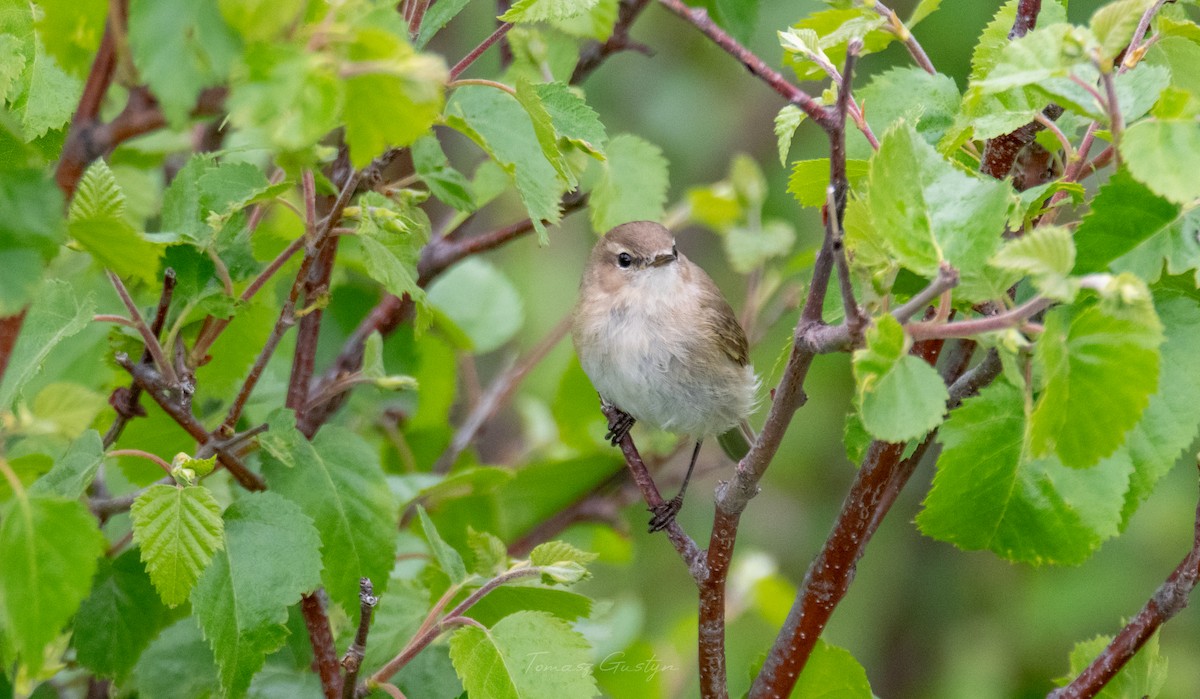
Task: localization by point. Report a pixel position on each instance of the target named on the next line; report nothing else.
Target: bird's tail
(737, 440)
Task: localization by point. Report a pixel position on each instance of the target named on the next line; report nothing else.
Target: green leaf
(573, 119)
(119, 619)
(632, 185)
(292, 96)
(392, 234)
(446, 183)
(989, 494)
(1046, 254)
(261, 20)
(928, 102)
(597, 23)
(179, 48)
(749, 249)
(66, 409)
(1163, 155)
(408, 90)
(1049, 51)
(179, 531)
(1093, 358)
(809, 181)
(545, 10)
(271, 557)
(177, 665)
(1143, 677)
(439, 15)
(448, 559)
(786, 122)
(497, 123)
(32, 206)
(553, 552)
(543, 129)
(337, 480)
(97, 196)
(994, 39)
(115, 245)
(50, 97)
(1170, 421)
(481, 301)
(1123, 215)
(930, 212)
(74, 470)
(182, 212)
(900, 396)
(831, 31)
(832, 673)
(510, 599)
(489, 555)
(529, 655)
(49, 547)
(56, 314)
(1113, 25)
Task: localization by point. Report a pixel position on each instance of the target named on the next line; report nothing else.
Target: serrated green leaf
(543, 129)
(928, 102)
(409, 91)
(573, 119)
(448, 559)
(392, 234)
(481, 301)
(56, 314)
(1124, 215)
(929, 211)
(1113, 25)
(74, 470)
(97, 196)
(1163, 155)
(1142, 677)
(49, 547)
(1049, 51)
(1170, 421)
(32, 206)
(12, 62)
(545, 10)
(786, 122)
(337, 480)
(66, 408)
(1090, 358)
(271, 556)
(994, 38)
(553, 552)
(1046, 254)
(177, 665)
(900, 397)
(115, 245)
(809, 181)
(179, 48)
(527, 655)
(439, 15)
(499, 125)
(50, 95)
(832, 673)
(179, 531)
(489, 554)
(632, 185)
(182, 212)
(835, 28)
(119, 619)
(446, 183)
(988, 494)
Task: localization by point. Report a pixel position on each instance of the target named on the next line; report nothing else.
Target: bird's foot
(619, 426)
(665, 513)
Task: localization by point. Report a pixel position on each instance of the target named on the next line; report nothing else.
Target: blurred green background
(925, 619)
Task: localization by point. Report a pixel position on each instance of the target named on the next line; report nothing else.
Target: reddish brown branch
(476, 52)
(593, 55)
(125, 400)
(352, 661)
(699, 18)
(10, 329)
(1168, 600)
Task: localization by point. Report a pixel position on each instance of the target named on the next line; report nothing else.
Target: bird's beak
(662, 259)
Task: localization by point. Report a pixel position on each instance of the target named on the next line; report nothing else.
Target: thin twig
(475, 53)
(896, 26)
(352, 661)
(946, 279)
(125, 400)
(1116, 122)
(976, 326)
(158, 460)
(497, 394)
(1168, 600)
(148, 336)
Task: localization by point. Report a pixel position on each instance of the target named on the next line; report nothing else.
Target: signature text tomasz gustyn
(613, 662)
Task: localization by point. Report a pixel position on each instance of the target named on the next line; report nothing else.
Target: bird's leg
(619, 425)
(665, 513)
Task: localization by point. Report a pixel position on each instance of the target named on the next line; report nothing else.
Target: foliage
(259, 229)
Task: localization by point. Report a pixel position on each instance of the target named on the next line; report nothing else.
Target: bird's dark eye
(624, 259)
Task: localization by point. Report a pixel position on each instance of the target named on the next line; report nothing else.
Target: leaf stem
(476, 52)
(142, 455)
(152, 345)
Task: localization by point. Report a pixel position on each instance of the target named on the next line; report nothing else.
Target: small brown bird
(660, 343)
